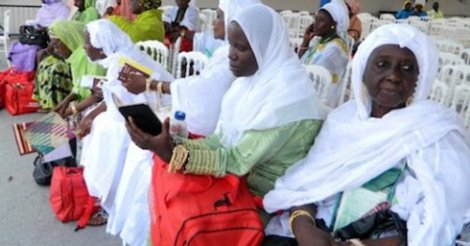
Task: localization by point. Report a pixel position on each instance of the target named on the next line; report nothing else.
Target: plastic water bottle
(178, 125)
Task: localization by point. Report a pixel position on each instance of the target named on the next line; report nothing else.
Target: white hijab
(279, 93)
(105, 35)
(338, 10)
(353, 148)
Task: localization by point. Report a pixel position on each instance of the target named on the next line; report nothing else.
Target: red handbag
(197, 210)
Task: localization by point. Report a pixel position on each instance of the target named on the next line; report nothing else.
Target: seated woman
(147, 25)
(419, 11)
(262, 128)
(355, 25)
(388, 167)
(106, 144)
(181, 20)
(23, 56)
(328, 48)
(86, 11)
(201, 96)
(67, 40)
(406, 11)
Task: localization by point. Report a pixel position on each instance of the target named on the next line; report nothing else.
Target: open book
(142, 115)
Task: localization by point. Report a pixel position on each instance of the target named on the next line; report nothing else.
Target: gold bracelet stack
(178, 158)
(73, 108)
(298, 213)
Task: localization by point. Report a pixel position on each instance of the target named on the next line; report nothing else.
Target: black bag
(42, 172)
(34, 36)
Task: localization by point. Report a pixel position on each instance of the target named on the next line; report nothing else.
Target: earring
(333, 27)
(409, 101)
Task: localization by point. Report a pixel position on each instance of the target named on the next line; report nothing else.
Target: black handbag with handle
(34, 36)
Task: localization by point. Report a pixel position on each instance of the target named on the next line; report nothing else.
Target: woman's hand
(162, 144)
(309, 34)
(84, 127)
(62, 107)
(134, 83)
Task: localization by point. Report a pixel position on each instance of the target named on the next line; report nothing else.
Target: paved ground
(25, 215)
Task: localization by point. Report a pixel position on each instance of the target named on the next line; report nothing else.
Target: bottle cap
(180, 115)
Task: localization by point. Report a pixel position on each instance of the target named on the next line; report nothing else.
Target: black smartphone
(143, 117)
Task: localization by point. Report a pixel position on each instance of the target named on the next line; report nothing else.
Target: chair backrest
(421, 25)
(190, 63)
(346, 90)
(439, 92)
(445, 45)
(446, 58)
(366, 23)
(173, 60)
(157, 50)
(305, 21)
(461, 101)
(388, 17)
(304, 13)
(454, 75)
(321, 79)
(6, 23)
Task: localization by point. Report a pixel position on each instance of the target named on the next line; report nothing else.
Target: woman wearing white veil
(106, 143)
(389, 125)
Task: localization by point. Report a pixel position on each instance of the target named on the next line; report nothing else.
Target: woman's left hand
(162, 144)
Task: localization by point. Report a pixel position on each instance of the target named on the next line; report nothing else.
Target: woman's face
(80, 4)
(93, 53)
(219, 25)
(242, 59)
(60, 48)
(182, 3)
(391, 75)
(323, 24)
(135, 7)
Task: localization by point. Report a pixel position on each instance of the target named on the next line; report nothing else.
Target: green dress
(261, 155)
(53, 82)
(146, 26)
(89, 14)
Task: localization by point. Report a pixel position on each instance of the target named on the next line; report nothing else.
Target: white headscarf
(231, 8)
(338, 10)
(105, 35)
(353, 148)
(279, 93)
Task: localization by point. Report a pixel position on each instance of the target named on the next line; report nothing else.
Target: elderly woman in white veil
(106, 140)
(390, 155)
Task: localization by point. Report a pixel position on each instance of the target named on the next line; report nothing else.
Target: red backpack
(197, 210)
(69, 196)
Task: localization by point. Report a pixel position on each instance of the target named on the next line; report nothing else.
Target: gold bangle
(355, 242)
(298, 213)
(178, 158)
(160, 87)
(73, 108)
(148, 84)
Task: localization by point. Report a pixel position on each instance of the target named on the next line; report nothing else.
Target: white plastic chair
(346, 90)
(197, 59)
(304, 13)
(454, 75)
(387, 17)
(293, 23)
(423, 26)
(5, 38)
(446, 58)
(321, 79)
(439, 92)
(305, 21)
(461, 101)
(210, 15)
(157, 50)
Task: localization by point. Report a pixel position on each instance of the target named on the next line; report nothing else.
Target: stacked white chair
(210, 15)
(439, 92)
(454, 75)
(346, 90)
(321, 79)
(305, 21)
(423, 26)
(5, 38)
(195, 59)
(293, 23)
(387, 17)
(366, 23)
(304, 13)
(157, 50)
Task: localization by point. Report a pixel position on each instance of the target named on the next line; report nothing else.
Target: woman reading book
(263, 128)
(106, 144)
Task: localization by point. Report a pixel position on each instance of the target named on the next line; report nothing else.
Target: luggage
(17, 90)
(195, 210)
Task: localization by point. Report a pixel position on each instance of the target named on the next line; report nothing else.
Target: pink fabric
(23, 56)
